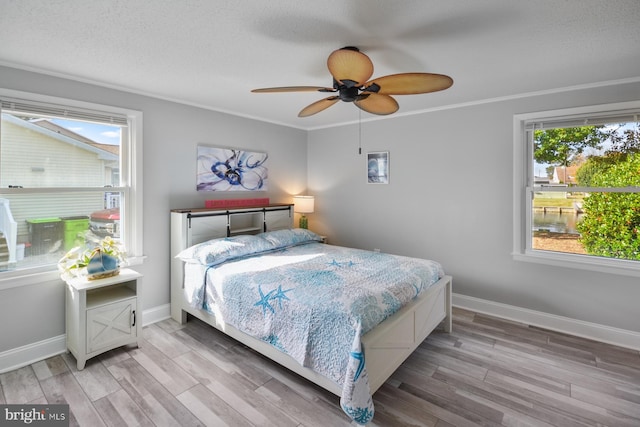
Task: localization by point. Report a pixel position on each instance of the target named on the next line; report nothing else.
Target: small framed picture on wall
(378, 167)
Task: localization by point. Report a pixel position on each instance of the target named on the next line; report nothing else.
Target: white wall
(171, 134)
(450, 198)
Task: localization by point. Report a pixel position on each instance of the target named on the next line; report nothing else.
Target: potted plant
(96, 262)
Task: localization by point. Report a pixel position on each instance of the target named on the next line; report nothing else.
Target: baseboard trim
(27, 354)
(19, 357)
(156, 314)
(593, 331)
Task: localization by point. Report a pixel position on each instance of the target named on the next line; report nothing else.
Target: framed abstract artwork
(378, 167)
(228, 169)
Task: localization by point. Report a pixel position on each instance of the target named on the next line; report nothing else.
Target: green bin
(74, 228)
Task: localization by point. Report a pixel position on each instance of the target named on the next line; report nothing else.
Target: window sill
(581, 262)
(35, 276)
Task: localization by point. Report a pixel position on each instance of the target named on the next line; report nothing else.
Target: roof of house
(105, 151)
(565, 174)
(113, 149)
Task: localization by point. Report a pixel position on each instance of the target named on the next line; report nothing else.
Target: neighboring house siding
(33, 159)
(24, 151)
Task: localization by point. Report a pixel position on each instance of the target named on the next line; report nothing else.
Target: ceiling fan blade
(318, 106)
(350, 66)
(294, 89)
(409, 83)
(376, 103)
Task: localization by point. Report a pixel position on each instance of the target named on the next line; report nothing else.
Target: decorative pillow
(217, 251)
(290, 237)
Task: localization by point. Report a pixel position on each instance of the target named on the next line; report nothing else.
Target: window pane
(600, 224)
(48, 225)
(592, 159)
(555, 218)
(39, 152)
(587, 156)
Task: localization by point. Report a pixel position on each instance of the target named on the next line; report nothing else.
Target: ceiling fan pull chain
(359, 132)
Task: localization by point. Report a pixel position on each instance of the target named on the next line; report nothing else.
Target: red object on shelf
(226, 203)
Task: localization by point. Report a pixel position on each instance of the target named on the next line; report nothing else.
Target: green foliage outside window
(611, 226)
(562, 146)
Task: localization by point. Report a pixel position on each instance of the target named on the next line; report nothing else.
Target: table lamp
(303, 205)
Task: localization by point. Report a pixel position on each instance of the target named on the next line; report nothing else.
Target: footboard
(389, 344)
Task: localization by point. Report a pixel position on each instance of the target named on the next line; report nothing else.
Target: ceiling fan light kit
(351, 71)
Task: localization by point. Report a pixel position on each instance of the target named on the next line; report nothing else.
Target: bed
(284, 296)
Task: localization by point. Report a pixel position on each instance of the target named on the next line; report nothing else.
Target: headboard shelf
(223, 210)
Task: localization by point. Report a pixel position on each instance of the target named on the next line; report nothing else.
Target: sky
(101, 133)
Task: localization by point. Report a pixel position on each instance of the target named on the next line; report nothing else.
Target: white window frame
(523, 187)
(131, 175)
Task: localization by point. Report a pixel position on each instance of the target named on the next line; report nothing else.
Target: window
(69, 175)
(577, 187)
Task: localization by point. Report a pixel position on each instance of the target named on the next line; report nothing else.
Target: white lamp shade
(303, 204)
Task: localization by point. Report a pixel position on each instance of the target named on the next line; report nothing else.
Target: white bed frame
(385, 347)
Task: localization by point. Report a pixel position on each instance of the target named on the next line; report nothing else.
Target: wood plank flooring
(487, 372)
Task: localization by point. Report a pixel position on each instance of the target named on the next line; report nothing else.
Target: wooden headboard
(192, 226)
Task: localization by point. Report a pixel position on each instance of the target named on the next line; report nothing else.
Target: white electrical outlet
(376, 250)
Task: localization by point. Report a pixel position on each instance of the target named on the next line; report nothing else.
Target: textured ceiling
(211, 53)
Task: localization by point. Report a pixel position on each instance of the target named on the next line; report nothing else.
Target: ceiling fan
(351, 71)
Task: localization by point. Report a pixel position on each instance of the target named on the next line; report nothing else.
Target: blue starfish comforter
(310, 300)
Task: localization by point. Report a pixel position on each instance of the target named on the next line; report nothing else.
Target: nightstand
(102, 314)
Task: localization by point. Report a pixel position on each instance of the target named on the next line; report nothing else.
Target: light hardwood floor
(487, 372)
